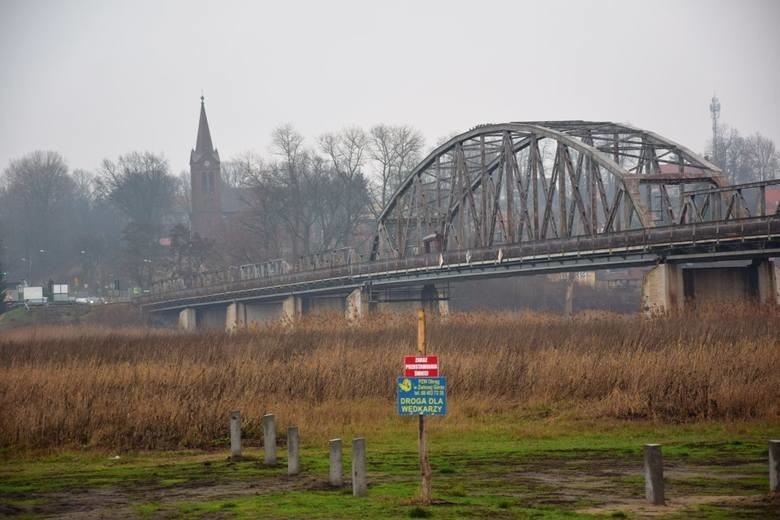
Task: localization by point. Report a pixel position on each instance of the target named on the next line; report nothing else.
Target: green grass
(12, 317)
(535, 468)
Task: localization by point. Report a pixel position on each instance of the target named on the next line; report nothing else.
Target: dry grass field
(152, 389)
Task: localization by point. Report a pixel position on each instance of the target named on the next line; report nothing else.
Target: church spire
(203, 144)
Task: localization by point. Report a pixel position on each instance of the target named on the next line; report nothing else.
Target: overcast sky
(94, 79)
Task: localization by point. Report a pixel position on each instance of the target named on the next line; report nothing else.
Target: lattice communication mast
(715, 114)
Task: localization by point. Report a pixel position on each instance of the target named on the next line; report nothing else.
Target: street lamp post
(148, 272)
(28, 260)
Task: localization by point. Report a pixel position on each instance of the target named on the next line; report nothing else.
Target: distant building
(772, 199)
(587, 278)
(214, 204)
(612, 278)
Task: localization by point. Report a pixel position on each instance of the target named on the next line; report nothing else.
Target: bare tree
(38, 199)
(241, 169)
(383, 154)
(256, 234)
(140, 186)
(288, 180)
(309, 201)
(344, 201)
(395, 151)
(745, 159)
(188, 253)
(764, 157)
(339, 203)
(346, 150)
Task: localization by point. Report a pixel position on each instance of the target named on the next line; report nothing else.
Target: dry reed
(145, 389)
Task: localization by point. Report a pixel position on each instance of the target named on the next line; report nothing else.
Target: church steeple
(203, 143)
(205, 182)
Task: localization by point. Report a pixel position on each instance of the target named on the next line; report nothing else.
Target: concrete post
(774, 466)
(235, 317)
(359, 485)
(663, 289)
(235, 435)
(334, 475)
(444, 308)
(768, 289)
(292, 308)
(188, 319)
(357, 305)
(568, 303)
(776, 279)
(269, 439)
(293, 461)
(654, 475)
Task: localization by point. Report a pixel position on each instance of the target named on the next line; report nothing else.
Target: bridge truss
(528, 197)
(515, 182)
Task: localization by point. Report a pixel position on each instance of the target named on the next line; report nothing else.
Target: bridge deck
(757, 237)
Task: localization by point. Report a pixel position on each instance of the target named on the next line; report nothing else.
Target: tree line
(128, 220)
(744, 158)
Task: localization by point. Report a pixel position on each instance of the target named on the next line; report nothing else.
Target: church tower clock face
(207, 163)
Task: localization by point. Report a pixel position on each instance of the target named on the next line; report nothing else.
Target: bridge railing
(229, 280)
(755, 199)
(259, 271)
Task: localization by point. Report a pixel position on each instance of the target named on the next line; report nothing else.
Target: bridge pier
(235, 317)
(666, 287)
(767, 276)
(434, 302)
(188, 319)
(357, 305)
(292, 308)
(663, 289)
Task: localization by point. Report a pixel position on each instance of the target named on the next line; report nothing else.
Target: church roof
(203, 144)
(236, 199)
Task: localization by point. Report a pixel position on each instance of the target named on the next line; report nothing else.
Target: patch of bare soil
(757, 506)
(615, 485)
(121, 502)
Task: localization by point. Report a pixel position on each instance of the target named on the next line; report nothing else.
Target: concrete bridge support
(663, 289)
(188, 319)
(235, 317)
(434, 302)
(292, 308)
(666, 287)
(767, 276)
(357, 305)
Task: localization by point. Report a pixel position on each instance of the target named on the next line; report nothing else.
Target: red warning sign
(421, 366)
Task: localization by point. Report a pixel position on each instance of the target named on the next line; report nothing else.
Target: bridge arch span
(527, 181)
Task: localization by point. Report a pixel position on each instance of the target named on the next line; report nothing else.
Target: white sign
(32, 293)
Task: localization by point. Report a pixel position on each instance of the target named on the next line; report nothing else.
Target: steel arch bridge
(521, 198)
(514, 182)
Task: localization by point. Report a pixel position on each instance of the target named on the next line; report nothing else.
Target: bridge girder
(526, 181)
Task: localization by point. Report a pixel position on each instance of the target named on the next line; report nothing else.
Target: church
(214, 204)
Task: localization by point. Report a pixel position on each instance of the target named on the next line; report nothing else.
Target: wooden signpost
(422, 392)
(425, 465)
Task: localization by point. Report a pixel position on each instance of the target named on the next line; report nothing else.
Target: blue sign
(422, 395)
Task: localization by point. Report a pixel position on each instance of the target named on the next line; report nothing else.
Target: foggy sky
(93, 79)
